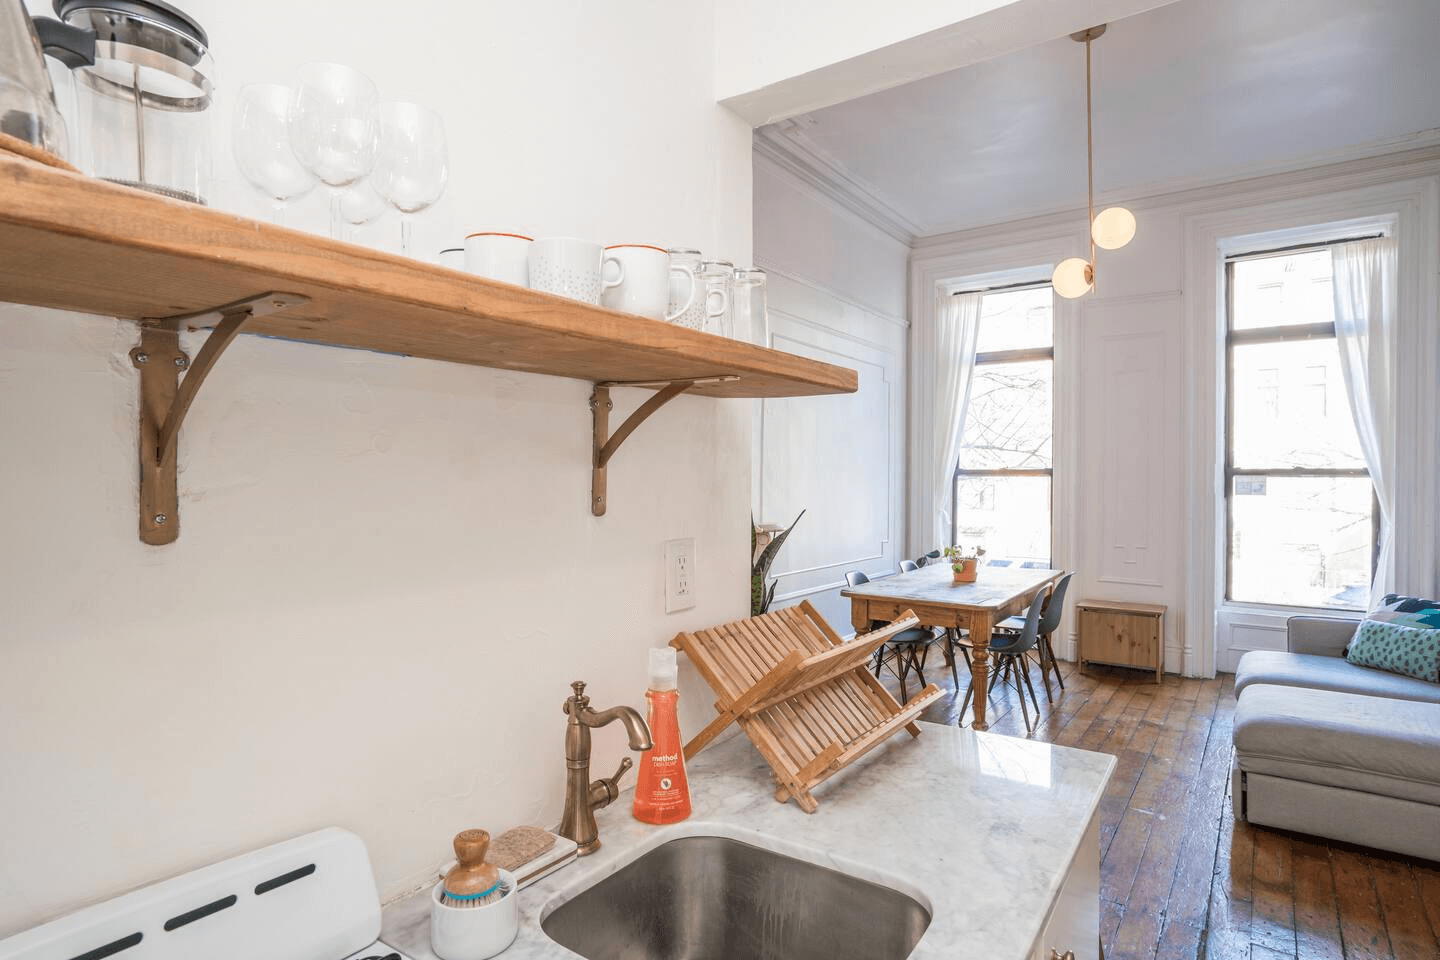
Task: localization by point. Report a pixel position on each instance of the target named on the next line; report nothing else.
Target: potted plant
(965, 562)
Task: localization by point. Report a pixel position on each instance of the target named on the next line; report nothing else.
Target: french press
(144, 101)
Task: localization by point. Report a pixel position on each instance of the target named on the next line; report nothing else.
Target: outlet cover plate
(679, 574)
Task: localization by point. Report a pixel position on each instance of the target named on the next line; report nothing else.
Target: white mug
(572, 268)
(499, 256)
(647, 273)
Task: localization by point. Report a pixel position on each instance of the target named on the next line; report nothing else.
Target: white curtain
(1365, 292)
(956, 329)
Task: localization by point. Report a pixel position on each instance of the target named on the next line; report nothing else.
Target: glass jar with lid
(144, 103)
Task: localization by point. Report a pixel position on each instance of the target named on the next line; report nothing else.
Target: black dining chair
(1049, 623)
(903, 652)
(1011, 655)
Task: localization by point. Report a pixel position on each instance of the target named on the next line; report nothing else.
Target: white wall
(1137, 371)
(388, 573)
(836, 293)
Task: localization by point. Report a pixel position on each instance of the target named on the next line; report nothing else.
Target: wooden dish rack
(803, 695)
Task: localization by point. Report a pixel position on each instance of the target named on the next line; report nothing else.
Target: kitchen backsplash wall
(387, 573)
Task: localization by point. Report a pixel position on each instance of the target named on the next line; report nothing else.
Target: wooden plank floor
(1179, 878)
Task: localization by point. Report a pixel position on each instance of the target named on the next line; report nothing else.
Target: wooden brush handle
(471, 873)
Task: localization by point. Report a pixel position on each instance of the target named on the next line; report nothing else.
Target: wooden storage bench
(1122, 634)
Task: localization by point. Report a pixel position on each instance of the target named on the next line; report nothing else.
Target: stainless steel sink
(713, 898)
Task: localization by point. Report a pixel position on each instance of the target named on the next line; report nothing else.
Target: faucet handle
(603, 792)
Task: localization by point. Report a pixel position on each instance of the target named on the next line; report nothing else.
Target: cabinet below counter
(994, 835)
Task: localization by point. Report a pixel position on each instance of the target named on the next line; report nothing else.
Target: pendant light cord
(1089, 155)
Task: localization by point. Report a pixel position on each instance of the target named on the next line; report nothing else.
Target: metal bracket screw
(140, 356)
(161, 519)
(182, 361)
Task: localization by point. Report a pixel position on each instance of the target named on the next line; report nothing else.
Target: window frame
(1019, 355)
(1276, 334)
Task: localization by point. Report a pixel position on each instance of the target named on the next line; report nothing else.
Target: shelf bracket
(165, 398)
(605, 443)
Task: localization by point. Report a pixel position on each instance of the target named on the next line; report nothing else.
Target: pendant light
(1112, 227)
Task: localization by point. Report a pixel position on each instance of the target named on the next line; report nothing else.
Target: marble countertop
(980, 828)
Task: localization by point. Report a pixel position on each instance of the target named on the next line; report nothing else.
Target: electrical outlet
(679, 574)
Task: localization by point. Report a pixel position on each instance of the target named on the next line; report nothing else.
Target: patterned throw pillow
(1397, 648)
(1411, 611)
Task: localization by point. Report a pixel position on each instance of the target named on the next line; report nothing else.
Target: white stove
(311, 898)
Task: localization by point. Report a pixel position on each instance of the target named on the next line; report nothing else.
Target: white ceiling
(1195, 91)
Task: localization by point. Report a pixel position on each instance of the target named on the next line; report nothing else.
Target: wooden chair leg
(1045, 666)
(1024, 710)
(950, 656)
(1054, 664)
(1025, 675)
(918, 662)
(898, 656)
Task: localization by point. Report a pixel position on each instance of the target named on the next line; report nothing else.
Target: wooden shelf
(78, 243)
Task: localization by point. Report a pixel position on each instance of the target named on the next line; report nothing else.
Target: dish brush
(472, 882)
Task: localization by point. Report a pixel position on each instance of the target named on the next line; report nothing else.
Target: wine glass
(360, 204)
(411, 167)
(260, 142)
(334, 127)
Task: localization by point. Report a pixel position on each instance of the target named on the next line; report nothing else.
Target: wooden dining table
(932, 593)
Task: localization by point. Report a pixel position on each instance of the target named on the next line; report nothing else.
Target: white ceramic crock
(474, 933)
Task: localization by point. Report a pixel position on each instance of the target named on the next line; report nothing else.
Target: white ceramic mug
(474, 933)
(572, 268)
(499, 256)
(646, 288)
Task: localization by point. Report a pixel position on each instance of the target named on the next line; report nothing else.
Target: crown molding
(787, 146)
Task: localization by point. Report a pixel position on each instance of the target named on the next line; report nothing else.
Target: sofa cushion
(1346, 740)
(1396, 648)
(1328, 673)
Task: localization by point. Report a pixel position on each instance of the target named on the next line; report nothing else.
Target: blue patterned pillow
(1397, 648)
(1411, 611)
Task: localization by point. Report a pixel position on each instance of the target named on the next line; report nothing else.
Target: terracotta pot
(965, 570)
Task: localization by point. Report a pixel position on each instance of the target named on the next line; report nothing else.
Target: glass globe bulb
(1073, 278)
(1113, 228)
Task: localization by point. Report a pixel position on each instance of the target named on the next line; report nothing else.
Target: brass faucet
(583, 798)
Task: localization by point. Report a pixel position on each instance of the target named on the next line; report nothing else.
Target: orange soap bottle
(662, 793)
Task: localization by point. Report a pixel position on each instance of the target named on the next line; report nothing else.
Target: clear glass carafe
(144, 104)
(751, 321)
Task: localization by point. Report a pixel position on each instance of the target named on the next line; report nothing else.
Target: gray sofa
(1329, 748)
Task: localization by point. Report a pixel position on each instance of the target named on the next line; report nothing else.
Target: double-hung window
(1004, 477)
(1301, 512)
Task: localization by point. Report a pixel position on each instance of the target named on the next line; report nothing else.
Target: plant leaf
(767, 556)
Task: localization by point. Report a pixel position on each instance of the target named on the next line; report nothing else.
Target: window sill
(1240, 608)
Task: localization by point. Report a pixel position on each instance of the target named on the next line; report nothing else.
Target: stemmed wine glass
(411, 167)
(334, 128)
(360, 204)
(260, 142)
